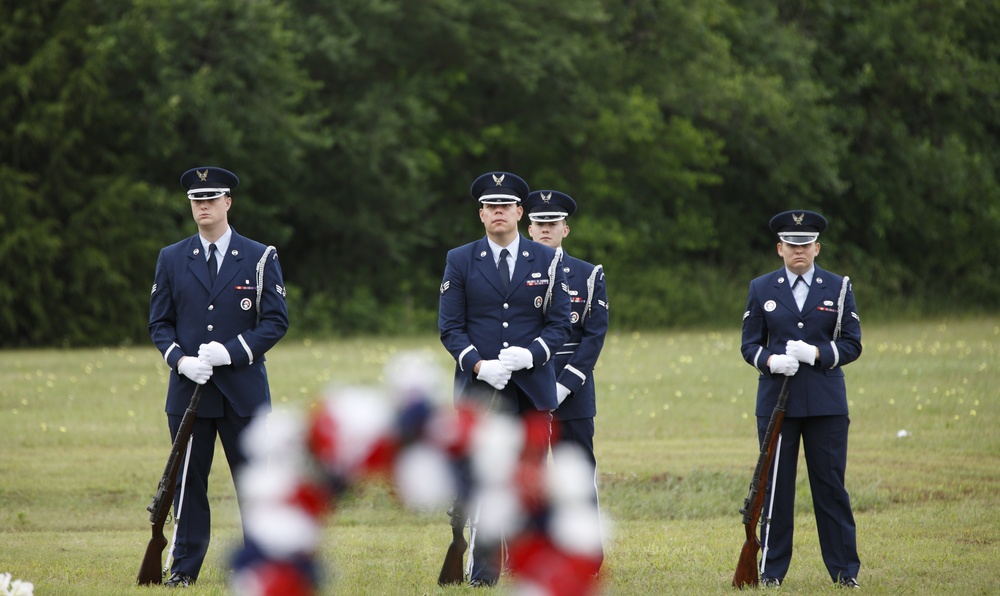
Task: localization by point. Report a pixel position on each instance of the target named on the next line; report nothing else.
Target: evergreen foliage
(357, 126)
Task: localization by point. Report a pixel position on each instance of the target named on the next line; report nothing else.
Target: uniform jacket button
(506, 306)
(506, 324)
(506, 345)
(210, 327)
(211, 307)
(801, 324)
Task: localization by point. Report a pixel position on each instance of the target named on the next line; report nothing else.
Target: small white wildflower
(15, 588)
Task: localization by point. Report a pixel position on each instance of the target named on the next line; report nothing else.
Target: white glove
(783, 364)
(562, 392)
(801, 351)
(194, 369)
(214, 354)
(515, 358)
(493, 373)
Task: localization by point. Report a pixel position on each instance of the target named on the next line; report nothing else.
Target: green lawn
(84, 442)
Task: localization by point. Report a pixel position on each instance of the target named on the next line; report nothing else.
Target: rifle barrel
(452, 570)
(151, 570)
(746, 568)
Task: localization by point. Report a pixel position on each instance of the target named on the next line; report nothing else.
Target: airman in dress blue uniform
(504, 311)
(548, 212)
(217, 306)
(801, 321)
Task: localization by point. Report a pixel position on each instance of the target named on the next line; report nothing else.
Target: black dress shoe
(482, 583)
(770, 582)
(179, 580)
(849, 582)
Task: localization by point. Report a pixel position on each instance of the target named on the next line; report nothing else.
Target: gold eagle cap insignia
(546, 197)
(202, 175)
(499, 180)
(798, 220)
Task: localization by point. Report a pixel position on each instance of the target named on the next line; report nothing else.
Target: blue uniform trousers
(824, 440)
(487, 556)
(579, 432)
(195, 521)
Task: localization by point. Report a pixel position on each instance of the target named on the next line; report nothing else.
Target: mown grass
(84, 440)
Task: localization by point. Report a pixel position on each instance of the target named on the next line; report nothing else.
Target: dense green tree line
(356, 127)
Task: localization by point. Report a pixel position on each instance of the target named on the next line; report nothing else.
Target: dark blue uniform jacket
(575, 361)
(185, 312)
(772, 318)
(477, 318)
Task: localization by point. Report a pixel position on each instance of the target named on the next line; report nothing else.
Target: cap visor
(498, 199)
(206, 194)
(798, 239)
(547, 216)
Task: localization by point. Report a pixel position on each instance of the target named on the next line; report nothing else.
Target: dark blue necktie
(504, 269)
(213, 264)
(800, 295)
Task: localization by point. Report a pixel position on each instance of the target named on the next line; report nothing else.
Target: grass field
(84, 441)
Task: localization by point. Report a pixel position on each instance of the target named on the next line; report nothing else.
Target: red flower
(322, 440)
(282, 579)
(535, 560)
(312, 498)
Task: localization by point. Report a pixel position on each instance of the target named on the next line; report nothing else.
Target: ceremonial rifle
(451, 570)
(746, 569)
(151, 571)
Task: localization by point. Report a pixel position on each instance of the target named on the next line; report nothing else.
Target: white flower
(424, 477)
(15, 588)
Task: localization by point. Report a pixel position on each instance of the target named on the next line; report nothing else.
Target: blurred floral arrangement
(15, 588)
(299, 465)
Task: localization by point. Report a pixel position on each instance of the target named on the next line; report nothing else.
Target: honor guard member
(548, 212)
(504, 311)
(801, 321)
(217, 306)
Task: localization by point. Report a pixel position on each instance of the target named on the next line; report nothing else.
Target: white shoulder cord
(840, 307)
(260, 276)
(591, 281)
(552, 279)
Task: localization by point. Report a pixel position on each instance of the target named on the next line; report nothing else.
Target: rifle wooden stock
(452, 571)
(151, 571)
(746, 569)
